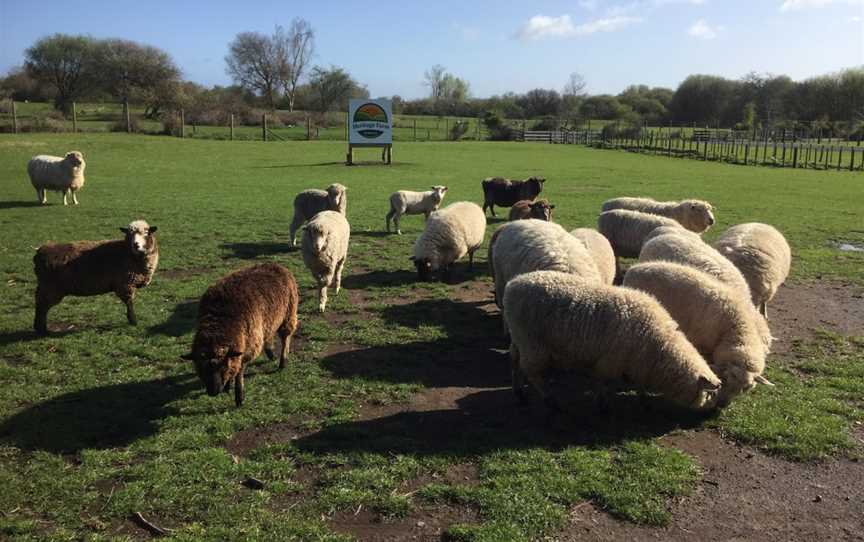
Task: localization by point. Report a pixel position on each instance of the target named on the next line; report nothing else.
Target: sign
(370, 122)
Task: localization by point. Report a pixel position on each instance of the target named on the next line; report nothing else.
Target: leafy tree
(540, 102)
(132, 71)
(64, 62)
(331, 88)
(253, 62)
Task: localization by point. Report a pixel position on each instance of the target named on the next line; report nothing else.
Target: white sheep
(762, 255)
(529, 245)
(558, 321)
(64, 175)
(406, 202)
(628, 230)
(310, 202)
(450, 234)
(600, 250)
(720, 323)
(325, 248)
(695, 215)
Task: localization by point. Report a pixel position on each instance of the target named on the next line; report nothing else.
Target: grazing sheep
(695, 215)
(628, 230)
(558, 321)
(325, 247)
(310, 202)
(450, 234)
(95, 267)
(762, 255)
(504, 192)
(681, 246)
(600, 250)
(533, 245)
(64, 175)
(238, 317)
(405, 202)
(721, 324)
(524, 209)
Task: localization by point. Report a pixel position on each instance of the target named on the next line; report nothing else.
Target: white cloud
(855, 19)
(702, 30)
(795, 5)
(543, 27)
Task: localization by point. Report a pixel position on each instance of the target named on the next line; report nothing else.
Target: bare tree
(434, 79)
(575, 85)
(295, 49)
(253, 63)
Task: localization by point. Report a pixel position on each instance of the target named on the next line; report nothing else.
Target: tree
(65, 62)
(19, 85)
(540, 102)
(333, 87)
(433, 78)
(253, 63)
(294, 50)
(132, 71)
(575, 85)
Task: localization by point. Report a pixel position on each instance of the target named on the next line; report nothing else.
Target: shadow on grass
(361, 281)
(285, 166)
(56, 330)
(181, 321)
(371, 234)
(250, 251)
(101, 417)
(18, 204)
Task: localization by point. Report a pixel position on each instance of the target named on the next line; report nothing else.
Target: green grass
(100, 419)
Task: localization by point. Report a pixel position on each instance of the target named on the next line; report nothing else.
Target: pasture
(394, 418)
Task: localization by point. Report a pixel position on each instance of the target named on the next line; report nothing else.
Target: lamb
(559, 321)
(721, 324)
(310, 202)
(450, 234)
(238, 316)
(64, 175)
(524, 209)
(695, 215)
(325, 248)
(628, 230)
(762, 255)
(600, 250)
(405, 202)
(531, 245)
(88, 268)
(504, 192)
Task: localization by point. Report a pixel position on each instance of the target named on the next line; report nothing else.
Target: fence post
(446, 127)
(851, 159)
(746, 152)
(839, 158)
(794, 157)
(827, 157)
(232, 126)
(783, 159)
(415, 129)
(74, 118)
(182, 124)
(14, 118)
(264, 126)
(128, 120)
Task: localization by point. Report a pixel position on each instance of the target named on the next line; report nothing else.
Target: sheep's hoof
(321, 309)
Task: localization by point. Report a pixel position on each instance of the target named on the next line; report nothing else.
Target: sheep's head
(533, 186)
(542, 209)
(216, 366)
(740, 369)
(336, 197)
(708, 389)
(140, 237)
(439, 191)
(424, 268)
(317, 237)
(696, 215)
(74, 159)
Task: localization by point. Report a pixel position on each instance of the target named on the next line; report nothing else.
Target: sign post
(370, 124)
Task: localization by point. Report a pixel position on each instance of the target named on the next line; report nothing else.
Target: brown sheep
(95, 267)
(524, 209)
(504, 192)
(238, 317)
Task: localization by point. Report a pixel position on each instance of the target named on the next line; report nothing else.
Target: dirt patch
(426, 523)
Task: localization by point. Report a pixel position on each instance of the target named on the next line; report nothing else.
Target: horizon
(613, 44)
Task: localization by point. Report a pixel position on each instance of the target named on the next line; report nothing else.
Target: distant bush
(497, 127)
(547, 123)
(458, 130)
(120, 125)
(170, 123)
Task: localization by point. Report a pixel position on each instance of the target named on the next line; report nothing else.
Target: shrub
(170, 123)
(547, 123)
(497, 127)
(120, 125)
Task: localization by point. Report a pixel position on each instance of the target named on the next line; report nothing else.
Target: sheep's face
(542, 209)
(140, 237)
(317, 239)
(424, 268)
(336, 195)
(700, 214)
(439, 191)
(707, 393)
(533, 186)
(216, 367)
(74, 159)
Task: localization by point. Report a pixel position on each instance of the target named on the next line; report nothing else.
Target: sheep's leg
(470, 260)
(239, 389)
(75, 197)
(763, 309)
(516, 376)
(44, 301)
(322, 296)
(127, 297)
(286, 345)
(40, 196)
(296, 222)
(397, 220)
(337, 281)
(492, 208)
(268, 349)
(538, 383)
(389, 217)
(65, 193)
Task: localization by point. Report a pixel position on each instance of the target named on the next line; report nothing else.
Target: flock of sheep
(687, 321)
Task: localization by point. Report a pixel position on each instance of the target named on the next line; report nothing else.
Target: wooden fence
(802, 154)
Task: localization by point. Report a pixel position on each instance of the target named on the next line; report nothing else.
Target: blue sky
(496, 46)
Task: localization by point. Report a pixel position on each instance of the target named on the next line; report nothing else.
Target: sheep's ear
(412, 258)
(125, 230)
(551, 206)
(188, 357)
(762, 380)
(152, 229)
(705, 384)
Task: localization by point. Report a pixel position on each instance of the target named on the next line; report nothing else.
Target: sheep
(695, 215)
(310, 202)
(559, 321)
(88, 268)
(628, 230)
(238, 316)
(64, 175)
(762, 255)
(405, 202)
(600, 250)
(523, 209)
(721, 324)
(450, 233)
(531, 245)
(325, 248)
(504, 192)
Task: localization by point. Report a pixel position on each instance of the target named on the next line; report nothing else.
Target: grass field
(101, 420)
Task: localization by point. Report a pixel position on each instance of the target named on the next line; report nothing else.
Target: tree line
(275, 71)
